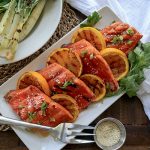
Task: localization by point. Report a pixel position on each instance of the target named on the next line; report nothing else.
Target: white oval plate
(41, 33)
(37, 142)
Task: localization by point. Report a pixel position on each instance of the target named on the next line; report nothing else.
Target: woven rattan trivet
(68, 21)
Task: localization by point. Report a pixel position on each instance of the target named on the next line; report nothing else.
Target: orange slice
(96, 85)
(117, 61)
(92, 35)
(67, 102)
(67, 59)
(33, 78)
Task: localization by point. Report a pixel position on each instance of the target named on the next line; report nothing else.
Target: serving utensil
(65, 132)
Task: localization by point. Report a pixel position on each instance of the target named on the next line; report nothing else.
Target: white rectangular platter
(37, 142)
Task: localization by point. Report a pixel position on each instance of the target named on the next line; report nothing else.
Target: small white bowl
(122, 134)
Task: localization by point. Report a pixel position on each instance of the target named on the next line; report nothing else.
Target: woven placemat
(68, 21)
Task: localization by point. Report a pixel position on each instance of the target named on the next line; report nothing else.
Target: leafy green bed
(139, 59)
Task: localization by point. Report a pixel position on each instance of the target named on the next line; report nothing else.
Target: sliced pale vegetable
(67, 102)
(14, 19)
(33, 78)
(92, 35)
(96, 85)
(28, 26)
(117, 61)
(67, 59)
(8, 16)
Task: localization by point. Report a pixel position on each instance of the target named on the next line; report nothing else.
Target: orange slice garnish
(92, 35)
(33, 78)
(67, 59)
(96, 85)
(117, 61)
(67, 102)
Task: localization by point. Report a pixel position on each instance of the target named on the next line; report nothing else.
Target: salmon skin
(61, 80)
(121, 36)
(34, 106)
(94, 63)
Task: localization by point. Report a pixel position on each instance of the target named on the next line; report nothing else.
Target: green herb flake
(129, 42)
(113, 21)
(67, 83)
(91, 20)
(117, 39)
(91, 56)
(83, 53)
(43, 107)
(130, 31)
(31, 115)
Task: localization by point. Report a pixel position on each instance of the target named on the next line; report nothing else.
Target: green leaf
(139, 59)
(83, 53)
(146, 47)
(132, 59)
(113, 21)
(43, 107)
(117, 39)
(129, 42)
(31, 115)
(91, 20)
(66, 84)
(130, 31)
(130, 85)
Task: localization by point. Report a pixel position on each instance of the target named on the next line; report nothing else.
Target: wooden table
(128, 110)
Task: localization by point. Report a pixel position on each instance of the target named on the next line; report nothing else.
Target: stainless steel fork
(64, 132)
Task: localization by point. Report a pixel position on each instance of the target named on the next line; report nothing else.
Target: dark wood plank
(9, 140)
(138, 130)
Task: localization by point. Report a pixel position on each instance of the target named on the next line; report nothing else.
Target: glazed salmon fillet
(61, 80)
(34, 106)
(94, 63)
(121, 36)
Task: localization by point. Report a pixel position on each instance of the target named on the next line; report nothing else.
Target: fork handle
(14, 122)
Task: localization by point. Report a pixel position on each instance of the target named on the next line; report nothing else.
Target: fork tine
(81, 134)
(78, 141)
(78, 126)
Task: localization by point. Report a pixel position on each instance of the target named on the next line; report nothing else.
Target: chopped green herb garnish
(108, 87)
(83, 53)
(117, 39)
(43, 107)
(67, 83)
(129, 42)
(139, 59)
(113, 21)
(130, 31)
(91, 20)
(91, 56)
(31, 115)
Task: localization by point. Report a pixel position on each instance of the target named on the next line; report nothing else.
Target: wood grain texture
(128, 111)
